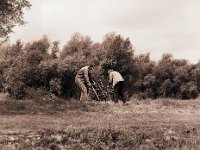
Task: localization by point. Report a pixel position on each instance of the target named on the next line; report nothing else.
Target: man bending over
(117, 81)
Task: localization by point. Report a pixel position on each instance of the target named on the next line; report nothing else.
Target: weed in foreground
(106, 138)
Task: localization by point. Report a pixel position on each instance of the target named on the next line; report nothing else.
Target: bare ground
(70, 124)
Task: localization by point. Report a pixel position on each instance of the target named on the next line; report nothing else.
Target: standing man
(82, 79)
(117, 81)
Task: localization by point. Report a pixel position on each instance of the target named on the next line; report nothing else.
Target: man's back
(115, 77)
(83, 74)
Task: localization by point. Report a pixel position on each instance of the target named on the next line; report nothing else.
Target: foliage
(76, 45)
(189, 90)
(120, 57)
(11, 14)
(55, 86)
(23, 67)
(168, 77)
(41, 66)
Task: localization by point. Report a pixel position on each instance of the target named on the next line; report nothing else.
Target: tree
(150, 85)
(11, 14)
(145, 67)
(23, 69)
(165, 88)
(120, 53)
(196, 74)
(77, 44)
(120, 57)
(144, 64)
(54, 50)
(37, 51)
(164, 69)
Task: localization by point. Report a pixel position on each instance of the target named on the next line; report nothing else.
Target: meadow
(71, 124)
(39, 111)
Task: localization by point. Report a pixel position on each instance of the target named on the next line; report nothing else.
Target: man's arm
(110, 79)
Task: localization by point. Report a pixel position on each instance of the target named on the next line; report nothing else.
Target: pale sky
(155, 26)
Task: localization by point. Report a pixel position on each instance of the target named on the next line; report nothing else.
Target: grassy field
(70, 124)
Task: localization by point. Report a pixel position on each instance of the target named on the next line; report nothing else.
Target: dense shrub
(189, 90)
(42, 65)
(55, 86)
(23, 67)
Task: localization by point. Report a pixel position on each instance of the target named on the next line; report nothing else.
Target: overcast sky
(155, 26)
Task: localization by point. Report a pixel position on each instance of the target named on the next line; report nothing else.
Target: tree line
(41, 67)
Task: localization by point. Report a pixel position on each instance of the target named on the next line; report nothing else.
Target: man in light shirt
(82, 79)
(117, 81)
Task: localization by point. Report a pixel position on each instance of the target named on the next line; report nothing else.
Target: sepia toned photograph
(99, 75)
